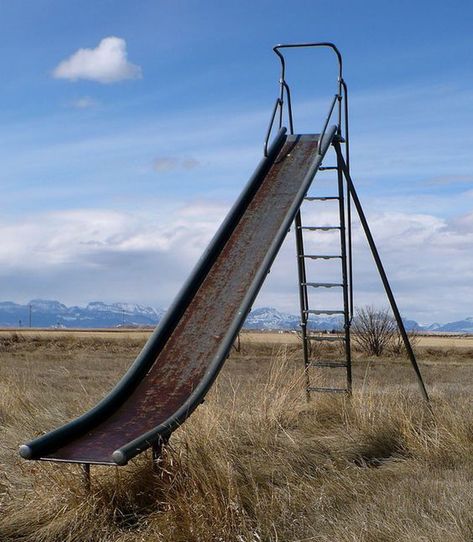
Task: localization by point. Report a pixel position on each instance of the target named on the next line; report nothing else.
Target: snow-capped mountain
(431, 327)
(268, 318)
(50, 313)
(97, 314)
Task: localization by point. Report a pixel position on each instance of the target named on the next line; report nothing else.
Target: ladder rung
(320, 256)
(329, 364)
(321, 311)
(327, 339)
(328, 168)
(327, 390)
(321, 228)
(322, 284)
(321, 198)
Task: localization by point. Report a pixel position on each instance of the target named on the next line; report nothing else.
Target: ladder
(345, 195)
(317, 365)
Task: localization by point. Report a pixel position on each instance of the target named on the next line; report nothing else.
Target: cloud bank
(80, 255)
(107, 63)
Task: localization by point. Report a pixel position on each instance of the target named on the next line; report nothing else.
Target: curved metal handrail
(279, 105)
(342, 93)
(327, 120)
(325, 44)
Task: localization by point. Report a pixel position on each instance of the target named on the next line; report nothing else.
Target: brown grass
(254, 463)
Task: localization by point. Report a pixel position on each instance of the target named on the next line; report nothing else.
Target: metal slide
(180, 361)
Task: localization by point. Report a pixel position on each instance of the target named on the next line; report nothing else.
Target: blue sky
(117, 166)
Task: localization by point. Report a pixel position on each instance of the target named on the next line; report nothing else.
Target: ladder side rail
(346, 297)
(381, 271)
(344, 94)
(303, 296)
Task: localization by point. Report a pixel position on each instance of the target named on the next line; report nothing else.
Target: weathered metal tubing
(329, 364)
(303, 296)
(346, 299)
(289, 107)
(329, 116)
(327, 44)
(270, 127)
(344, 93)
(279, 105)
(322, 198)
(85, 467)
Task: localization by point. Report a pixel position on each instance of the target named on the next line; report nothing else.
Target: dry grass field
(255, 462)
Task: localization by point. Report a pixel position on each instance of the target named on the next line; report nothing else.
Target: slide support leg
(86, 476)
(156, 451)
(381, 271)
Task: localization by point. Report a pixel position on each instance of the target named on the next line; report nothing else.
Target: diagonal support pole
(381, 271)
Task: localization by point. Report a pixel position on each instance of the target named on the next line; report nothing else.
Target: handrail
(327, 120)
(326, 44)
(311, 44)
(279, 105)
(342, 94)
(270, 127)
(289, 107)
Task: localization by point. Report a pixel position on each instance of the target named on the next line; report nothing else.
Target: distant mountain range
(46, 314)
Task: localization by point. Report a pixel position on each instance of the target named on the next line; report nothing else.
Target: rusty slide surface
(186, 359)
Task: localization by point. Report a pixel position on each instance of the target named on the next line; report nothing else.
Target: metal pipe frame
(348, 202)
(342, 131)
(340, 99)
(303, 297)
(85, 468)
(325, 44)
(284, 89)
(346, 298)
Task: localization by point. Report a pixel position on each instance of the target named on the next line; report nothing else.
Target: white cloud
(107, 63)
(447, 180)
(429, 262)
(170, 163)
(86, 102)
(77, 236)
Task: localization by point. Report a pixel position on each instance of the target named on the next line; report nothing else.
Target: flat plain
(256, 462)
